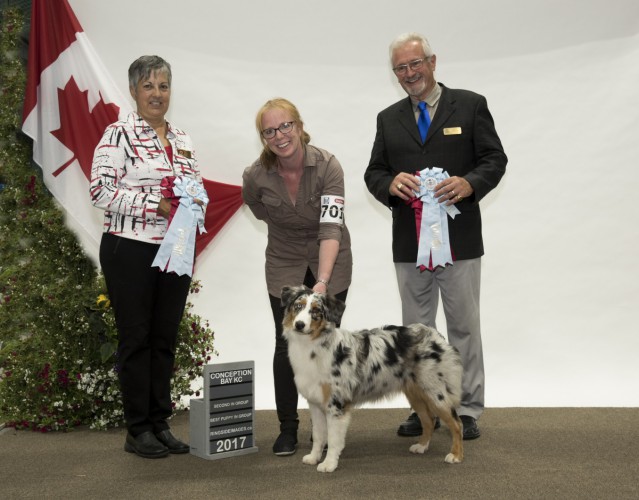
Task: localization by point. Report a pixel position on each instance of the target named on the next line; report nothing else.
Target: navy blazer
(475, 154)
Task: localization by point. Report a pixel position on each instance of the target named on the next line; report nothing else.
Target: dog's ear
(288, 295)
(334, 308)
(291, 293)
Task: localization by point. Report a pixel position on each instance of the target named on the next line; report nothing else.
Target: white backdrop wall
(560, 275)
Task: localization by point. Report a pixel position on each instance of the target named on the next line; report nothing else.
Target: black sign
(223, 421)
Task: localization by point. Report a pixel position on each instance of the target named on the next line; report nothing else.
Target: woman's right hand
(164, 208)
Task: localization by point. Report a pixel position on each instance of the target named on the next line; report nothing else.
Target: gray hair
(404, 38)
(142, 68)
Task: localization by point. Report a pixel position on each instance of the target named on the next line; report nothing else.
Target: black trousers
(148, 306)
(283, 377)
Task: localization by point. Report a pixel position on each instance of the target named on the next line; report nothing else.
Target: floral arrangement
(58, 366)
(71, 378)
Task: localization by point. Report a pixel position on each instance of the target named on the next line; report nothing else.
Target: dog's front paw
(419, 448)
(327, 466)
(451, 458)
(310, 459)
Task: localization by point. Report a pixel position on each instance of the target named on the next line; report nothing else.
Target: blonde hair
(267, 157)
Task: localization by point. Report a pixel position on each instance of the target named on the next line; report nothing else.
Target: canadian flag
(69, 100)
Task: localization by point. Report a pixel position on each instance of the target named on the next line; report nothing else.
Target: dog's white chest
(311, 372)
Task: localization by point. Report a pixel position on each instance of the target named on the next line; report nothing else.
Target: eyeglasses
(285, 128)
(413, 65)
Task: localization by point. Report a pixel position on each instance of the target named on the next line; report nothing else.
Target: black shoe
(413, 426)
(145, 445)
(285, 444)
(471, 430)
(172, 443)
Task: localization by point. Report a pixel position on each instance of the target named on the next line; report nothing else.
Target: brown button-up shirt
(294, 231)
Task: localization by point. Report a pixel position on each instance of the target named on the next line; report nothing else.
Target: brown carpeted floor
(535, 453)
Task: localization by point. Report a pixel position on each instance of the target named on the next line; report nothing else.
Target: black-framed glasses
(285, 128)
(415, 65)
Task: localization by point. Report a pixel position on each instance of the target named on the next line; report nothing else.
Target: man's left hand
(453, 190)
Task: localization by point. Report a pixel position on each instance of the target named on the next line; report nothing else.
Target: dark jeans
(148, 306)
(285, 390)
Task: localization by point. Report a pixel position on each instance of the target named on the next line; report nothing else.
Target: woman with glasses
(298, 190)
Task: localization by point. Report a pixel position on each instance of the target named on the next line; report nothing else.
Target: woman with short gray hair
(133, 167)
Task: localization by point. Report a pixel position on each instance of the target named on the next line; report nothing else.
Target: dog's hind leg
(421, 404)
(318, 421)
(451, 419)
(337, 428)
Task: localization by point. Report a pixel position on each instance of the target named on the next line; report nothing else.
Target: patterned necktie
(423, 122)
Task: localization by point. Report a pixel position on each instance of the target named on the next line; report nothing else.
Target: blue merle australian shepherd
(336, 370)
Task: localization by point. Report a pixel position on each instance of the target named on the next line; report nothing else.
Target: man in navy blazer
(461, 140)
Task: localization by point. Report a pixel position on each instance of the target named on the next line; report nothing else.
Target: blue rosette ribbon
(433, 234)
(177, 251)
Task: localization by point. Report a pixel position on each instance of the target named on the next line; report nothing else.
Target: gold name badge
(184, 152)
(452, 131)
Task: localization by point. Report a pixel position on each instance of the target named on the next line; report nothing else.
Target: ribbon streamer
(434, 244)
(177, 251)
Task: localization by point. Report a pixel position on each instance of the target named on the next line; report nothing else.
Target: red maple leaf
(80, 128)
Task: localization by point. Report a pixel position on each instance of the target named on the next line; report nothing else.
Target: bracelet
(323, 281)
